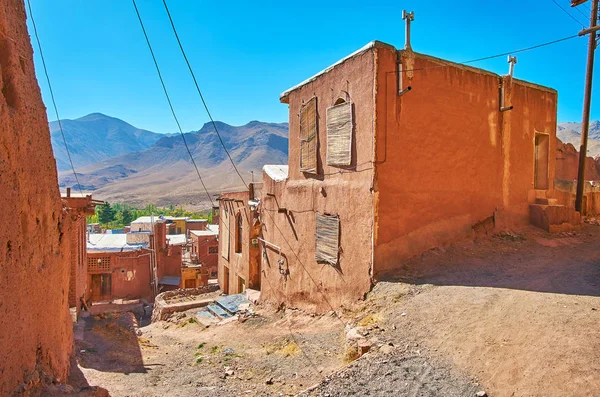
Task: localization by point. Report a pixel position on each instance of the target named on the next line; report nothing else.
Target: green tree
(126, 216)
(106, 213)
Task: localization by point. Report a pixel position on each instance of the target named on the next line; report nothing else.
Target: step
(206, 318)
(218, 311)
(231, 303)
(546, 201)
(554, 218)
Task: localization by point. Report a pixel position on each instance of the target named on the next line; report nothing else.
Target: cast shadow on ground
(569, 267)
(110, 344)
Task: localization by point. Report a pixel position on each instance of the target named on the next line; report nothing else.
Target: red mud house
(392, 153)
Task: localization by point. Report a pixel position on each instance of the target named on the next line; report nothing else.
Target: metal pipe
(408, 17)
(270, 245)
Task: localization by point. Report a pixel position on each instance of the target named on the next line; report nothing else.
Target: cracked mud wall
(35, 325)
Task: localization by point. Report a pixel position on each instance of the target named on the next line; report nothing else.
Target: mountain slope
(96, 137)
(164, 174)
(571, 133)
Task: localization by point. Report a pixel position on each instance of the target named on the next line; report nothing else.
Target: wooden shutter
(339, 134)
(328, 238)
(308, 136)
(224, 231)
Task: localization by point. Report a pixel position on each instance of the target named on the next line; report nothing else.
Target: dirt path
(522, 316)
(514, 315)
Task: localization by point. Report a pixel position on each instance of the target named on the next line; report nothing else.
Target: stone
(481, 393)
(363, 346)
(269, 381)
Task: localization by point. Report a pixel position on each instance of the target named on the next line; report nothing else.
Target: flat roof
(111, 243)
(277, 173)
(200, 233)
(170, 280)
(176, 239)
(375, 43)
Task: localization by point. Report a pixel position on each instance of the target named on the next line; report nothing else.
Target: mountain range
(119, 162)
(570, 132)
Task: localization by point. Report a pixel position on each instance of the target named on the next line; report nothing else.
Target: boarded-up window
(308, 136)
(224, 231)
(328, 238)
(339, 134)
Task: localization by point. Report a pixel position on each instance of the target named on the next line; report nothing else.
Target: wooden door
(542, 149)
(225, 279)
(96, 287)
(106, 289)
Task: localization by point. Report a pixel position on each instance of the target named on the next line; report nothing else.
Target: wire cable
(200, 93)
(491, 56)
(162, 82)
(37, 39)
(569, 14)
(581, 12)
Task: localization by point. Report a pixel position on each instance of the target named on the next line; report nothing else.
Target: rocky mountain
(164, 174)
(97, 137)
(571, 133)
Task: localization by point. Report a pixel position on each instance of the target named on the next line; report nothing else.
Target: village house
(392, 153)
(175, 225)
(135, 265)
(205, 249)
(239, 254)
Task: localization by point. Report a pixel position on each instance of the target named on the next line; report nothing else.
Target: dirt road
(515, 315)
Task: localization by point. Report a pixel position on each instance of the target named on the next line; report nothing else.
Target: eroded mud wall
(35, 326)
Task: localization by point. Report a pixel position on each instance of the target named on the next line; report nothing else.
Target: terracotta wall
(567, 163)
(35, 324)
(345, 191)
(78, 287)
(565, 191)
(169, 257)
(446, 157)
(130, 274)
(200, 247)
(242, 267)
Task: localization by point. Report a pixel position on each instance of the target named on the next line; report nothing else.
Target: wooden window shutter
(328, 238)
(339, 134)
(224, 231)
(308, 136)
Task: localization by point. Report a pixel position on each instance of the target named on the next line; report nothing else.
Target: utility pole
(587, 97)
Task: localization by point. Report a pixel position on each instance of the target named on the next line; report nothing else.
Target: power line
(581, 12)
(568, 13)
(37, 38)
(493, 56)
(169, 101)
(200, 92)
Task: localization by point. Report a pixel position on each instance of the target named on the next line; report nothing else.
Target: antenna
(408, 17)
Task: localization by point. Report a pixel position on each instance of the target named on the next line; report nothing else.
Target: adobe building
(205, 250)
(78, 209)
(239, 255)
(119, 266)
(35, 325)
(392, 153)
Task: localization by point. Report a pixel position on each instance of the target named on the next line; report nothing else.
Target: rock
(386, 349)
(138, 332)
(269, 381)
(354, 333)
(228, 351)
(363, 346)
(229, 372)
(481, 393)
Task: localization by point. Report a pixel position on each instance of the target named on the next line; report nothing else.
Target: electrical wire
(491, 56)
(37, 38)
(581, 12)
(169, 101)
(569, 14)
(200, 93)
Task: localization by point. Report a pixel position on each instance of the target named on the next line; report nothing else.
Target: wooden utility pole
(585, 124)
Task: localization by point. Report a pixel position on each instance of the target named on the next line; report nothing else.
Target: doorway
(542, 148)
(101, 287)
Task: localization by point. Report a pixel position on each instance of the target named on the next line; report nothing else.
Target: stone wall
(35, 325)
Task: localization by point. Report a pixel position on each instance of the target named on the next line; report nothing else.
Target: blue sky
(246, 53)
